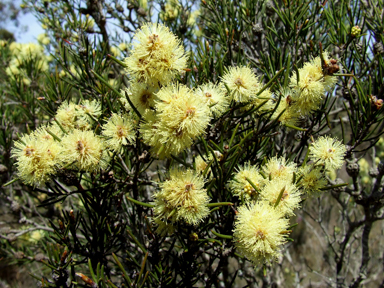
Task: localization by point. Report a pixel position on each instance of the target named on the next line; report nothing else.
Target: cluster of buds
(356, 30)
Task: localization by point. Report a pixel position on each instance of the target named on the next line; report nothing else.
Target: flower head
(149, 128)
(42, 133)
(291, 113)
(43, 39)
(180, 117)
(119, 131)
(36, 159)
(328, 151)
(311, 84)
(289, 200)
(72, 116)
(22, 56)
(89, 109)
(279, 168)
(214, 97)
(312, 179)
(115, 51)
(84, 149)
(157, 56)
(263, 102)
(182, 197)
(179, 107)
(240, 185)
(364, 167)
(258, 232)
(66, 115)
(141, 95)
(192, 18)
(242, 83)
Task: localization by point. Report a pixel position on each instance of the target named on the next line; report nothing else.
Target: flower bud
(193, 237)
(355, 31)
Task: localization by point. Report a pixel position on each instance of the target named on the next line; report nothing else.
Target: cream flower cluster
(180, 118)
(259, 232)
(70, 143)
(310, 85)
(73, 116)
(173, 115)
(306, 91)
(266, 184)
(271, 193)
(328, 151)
(37, 157)
(23, 55)
(173, 8)
(182, 198)
(157, 56)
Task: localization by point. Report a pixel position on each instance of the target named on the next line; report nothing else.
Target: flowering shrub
(165, 162)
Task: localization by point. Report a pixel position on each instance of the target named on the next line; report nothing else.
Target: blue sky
(28, 30)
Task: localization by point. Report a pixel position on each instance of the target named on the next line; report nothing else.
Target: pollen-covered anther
(208, 95)
(179, 132)
(189, 187)
(144, 98)
(190, 112)
(47, 137)
(29, 151)
(153, 38)
(120, 132)
(239, 82)
(143, 62)
(260, 235)
(80, 146)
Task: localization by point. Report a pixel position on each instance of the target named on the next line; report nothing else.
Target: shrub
(220, 146)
